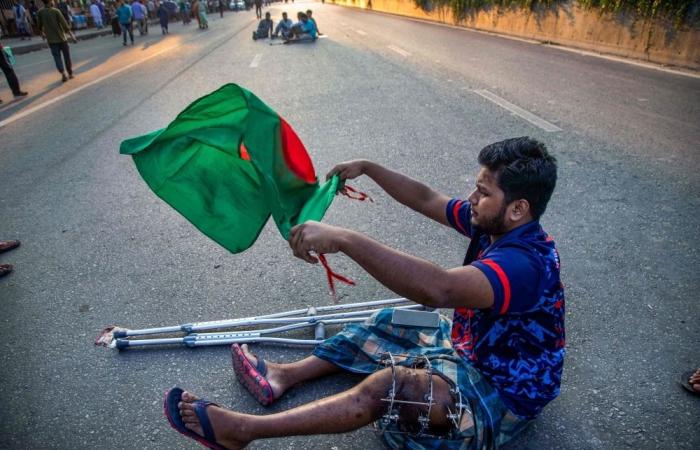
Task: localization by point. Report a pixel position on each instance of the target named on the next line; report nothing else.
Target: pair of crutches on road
(234, 331)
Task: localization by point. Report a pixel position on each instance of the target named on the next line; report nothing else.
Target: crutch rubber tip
(122, 344)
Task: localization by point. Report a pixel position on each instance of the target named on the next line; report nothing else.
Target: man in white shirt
(96, 14)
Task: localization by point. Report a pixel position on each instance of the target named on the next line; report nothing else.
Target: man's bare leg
(339, 413)
(283, 376)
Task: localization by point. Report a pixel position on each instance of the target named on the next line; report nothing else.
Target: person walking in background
(163, 18)
(125, 16)
(65, 10)
(33, 10)
(114, 20)
(21, 20)
(184, 12)
(96, 14)
(54, 28)
(222, 6)
(138, 12)
(9, 72)
(200, 13)
(258, 9)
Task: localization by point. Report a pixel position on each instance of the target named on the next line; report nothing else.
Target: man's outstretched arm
(414, 278)
(403, 189)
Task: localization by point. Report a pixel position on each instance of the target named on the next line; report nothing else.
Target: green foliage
(678, 10)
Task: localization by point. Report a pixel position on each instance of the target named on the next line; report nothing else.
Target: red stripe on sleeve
(504, 281)
(455, 215)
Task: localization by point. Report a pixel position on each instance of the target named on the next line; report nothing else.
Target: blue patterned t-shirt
(518, 343)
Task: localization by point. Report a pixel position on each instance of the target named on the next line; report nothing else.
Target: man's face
(488, 204)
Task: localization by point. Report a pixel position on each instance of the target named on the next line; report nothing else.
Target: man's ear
(518, 209)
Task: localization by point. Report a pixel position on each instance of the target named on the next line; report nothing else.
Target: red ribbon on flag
(354, 194)
(333, 276)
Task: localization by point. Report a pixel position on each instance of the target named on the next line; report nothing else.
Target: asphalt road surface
(99, 248)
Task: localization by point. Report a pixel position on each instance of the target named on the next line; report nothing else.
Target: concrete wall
(569, 25)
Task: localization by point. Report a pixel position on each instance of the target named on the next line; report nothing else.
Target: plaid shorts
(359, 348)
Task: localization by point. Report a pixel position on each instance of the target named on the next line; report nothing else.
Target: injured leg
(349, 410)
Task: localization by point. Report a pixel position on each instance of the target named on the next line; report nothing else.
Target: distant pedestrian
(163, 18)
(200, 13)
(184, 12)
(151, 8)
(9, 72)
(125, 20)
(5, 246)
(140, 16)
(22, 20)
(222, 6)
(65, 10)
(33, 10)
(54, 29)
(114, 21)
(96, 14)
(103, 11)
(258, 9)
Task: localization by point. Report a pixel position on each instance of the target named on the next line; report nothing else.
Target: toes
(194, 427)
(187, 413)
(187, 397)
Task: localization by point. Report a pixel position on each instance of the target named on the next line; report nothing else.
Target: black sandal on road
(685, 382)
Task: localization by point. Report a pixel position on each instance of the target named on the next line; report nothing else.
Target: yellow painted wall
(572, 26)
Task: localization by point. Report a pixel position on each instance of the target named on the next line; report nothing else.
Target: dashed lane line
(256, 60)
(399, 50)
(518, 111)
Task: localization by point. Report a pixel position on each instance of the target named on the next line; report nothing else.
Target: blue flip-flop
(172, 413)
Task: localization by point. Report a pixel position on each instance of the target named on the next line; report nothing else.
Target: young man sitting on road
(502, 356)
(264, 28)
(284, 27)
(304, 29)
(309, 14)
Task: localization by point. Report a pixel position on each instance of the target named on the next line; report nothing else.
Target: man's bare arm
(407, 275)
(402, 188)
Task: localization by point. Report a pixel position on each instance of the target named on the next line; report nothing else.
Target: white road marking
(256, 60)
(518, 111)
(361, 33)
(41, 106)
(399, 50)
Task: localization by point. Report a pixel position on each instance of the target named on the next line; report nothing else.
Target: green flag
(228, 162)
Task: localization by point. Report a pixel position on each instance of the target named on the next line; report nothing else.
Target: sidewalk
(20, 47)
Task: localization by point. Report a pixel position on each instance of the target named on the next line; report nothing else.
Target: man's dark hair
(524, 169)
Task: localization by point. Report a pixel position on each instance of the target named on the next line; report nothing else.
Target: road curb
(42, 44)
(20, 50)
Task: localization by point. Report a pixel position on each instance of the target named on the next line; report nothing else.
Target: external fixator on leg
(390, 422)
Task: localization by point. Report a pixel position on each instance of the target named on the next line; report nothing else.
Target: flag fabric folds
(227, 163)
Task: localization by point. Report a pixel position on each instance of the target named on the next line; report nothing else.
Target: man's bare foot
(227, 425)
(273, 375)
(694, 381)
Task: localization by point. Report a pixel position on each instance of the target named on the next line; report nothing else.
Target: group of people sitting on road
(304, 29)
